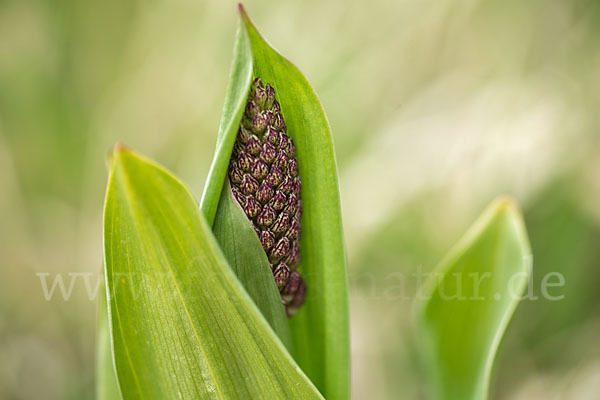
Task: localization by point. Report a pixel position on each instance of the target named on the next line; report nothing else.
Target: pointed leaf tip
(119, 147)
(480, 280)
(507, 203)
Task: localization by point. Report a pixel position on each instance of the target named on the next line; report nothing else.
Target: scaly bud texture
(263, 175)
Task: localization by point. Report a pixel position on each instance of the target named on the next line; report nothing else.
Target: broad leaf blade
(470, 300)
(182, 325)
(244, 253)
(320, 330)
(241, 246)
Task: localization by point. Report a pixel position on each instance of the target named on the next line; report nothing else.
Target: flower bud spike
(263, 176)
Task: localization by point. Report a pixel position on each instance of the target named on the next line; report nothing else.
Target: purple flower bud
(267, 238)
(280, 250)
(293, 258)
(278, 201)
(277, 121)
(292, 205)
(251, 109)
(281, 224)
(292, 286)
(292, 168)
(259, 123)
(244, 134)
(253, 146)
(238, 148)
(264, 193)
(249, 184)
(276, 107)
(235, 174)
(259, 170)
(294, 230)
(268, 154)
(252, 208)
(281, 274)
(268, 116)
(255, 83)
(266, 217)
(239, 196)
(270, 96)
(287, 184)
(274, 178)
(245, 161)
(284, 144)
(281, 161)
(271, 136)
(260, 96)
(292, 148)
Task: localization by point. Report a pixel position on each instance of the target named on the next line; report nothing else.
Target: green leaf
(242, 247)
(240, 78)
(182, 325)
(243, 250)
(107, 387)
(320, 330)
(469, 300)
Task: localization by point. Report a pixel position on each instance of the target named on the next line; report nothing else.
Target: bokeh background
(436, 107)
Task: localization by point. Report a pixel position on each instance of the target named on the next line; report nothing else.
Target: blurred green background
(436, 107)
